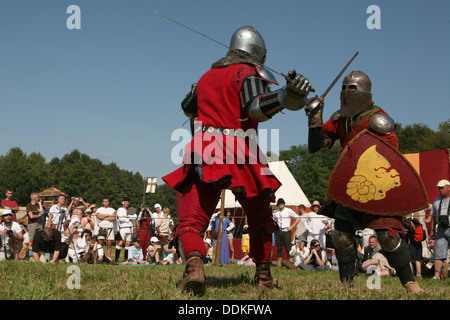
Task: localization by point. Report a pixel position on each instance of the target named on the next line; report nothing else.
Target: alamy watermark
(374, 20)
(74, 280)
(74, 20)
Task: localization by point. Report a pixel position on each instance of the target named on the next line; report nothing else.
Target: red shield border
(409, 197)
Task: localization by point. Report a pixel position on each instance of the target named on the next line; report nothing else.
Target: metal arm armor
(261, 104)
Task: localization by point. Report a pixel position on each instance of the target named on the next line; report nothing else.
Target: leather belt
(240, 133)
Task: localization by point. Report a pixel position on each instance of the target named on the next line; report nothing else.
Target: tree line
(77, 174)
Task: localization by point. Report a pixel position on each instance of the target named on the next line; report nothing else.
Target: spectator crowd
(80, 232)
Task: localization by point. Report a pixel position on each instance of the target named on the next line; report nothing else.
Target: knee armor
(388, 242)
(342, 240)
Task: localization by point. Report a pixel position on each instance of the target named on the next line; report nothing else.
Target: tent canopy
(290, 190)
(52, 192)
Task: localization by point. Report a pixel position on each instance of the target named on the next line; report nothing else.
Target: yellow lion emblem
(372, 177)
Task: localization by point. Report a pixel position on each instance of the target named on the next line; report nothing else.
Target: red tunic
(226, 161)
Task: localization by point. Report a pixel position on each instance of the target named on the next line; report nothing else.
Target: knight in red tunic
(225, 107)
(358, 113)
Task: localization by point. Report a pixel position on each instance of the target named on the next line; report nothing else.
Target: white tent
(290, 191)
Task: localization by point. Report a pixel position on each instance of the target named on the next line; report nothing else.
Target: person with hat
(135, 254)
(314, 225)
(441, 211)
(11, 236)
(154, 251)
(283, 236)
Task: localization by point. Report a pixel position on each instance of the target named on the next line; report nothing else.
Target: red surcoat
(228, 162)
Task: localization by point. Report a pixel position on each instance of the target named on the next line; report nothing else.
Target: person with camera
(75, 204)
(11, 236)
(58, 215)
(441, 210)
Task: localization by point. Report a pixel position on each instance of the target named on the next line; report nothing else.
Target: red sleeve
(330, 129)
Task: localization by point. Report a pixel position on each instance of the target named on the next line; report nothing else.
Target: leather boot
(412, 287)
(263, 278)
(194, 275)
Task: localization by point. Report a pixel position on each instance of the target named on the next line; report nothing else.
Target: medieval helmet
(356, 94)
(249, 40)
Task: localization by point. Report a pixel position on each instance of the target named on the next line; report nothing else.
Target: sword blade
(220, 43)
(339, 75)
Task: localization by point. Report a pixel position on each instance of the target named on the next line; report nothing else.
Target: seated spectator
(428, 258)
(374, 260)
(168, 254)
(26, 245)
(93, 252)
(245, 246)
(135, 254)
(317, 260)
(47, 245)
(11, 236)
(154, 251)
(209, 250)
(77, 249)
(372, 248)
(299, 252)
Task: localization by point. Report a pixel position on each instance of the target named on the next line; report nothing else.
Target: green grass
(20, 280)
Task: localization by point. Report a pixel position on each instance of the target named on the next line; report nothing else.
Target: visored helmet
(249, 40)
(356, 94)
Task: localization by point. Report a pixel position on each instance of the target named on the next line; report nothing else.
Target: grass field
(20, 280)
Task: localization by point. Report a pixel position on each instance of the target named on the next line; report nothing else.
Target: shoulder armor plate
(381, 123)
(266, 75)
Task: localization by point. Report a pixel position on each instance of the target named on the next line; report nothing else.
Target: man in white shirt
(11, 235)
(283, 236)
(315, 225)
(125, 218)
(58, 216)
(107, 219)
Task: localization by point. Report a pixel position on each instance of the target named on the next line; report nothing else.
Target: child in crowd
(135, 254)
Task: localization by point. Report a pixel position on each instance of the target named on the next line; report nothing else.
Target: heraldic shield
(373, 177)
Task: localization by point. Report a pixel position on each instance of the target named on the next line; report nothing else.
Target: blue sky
(113, 88)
